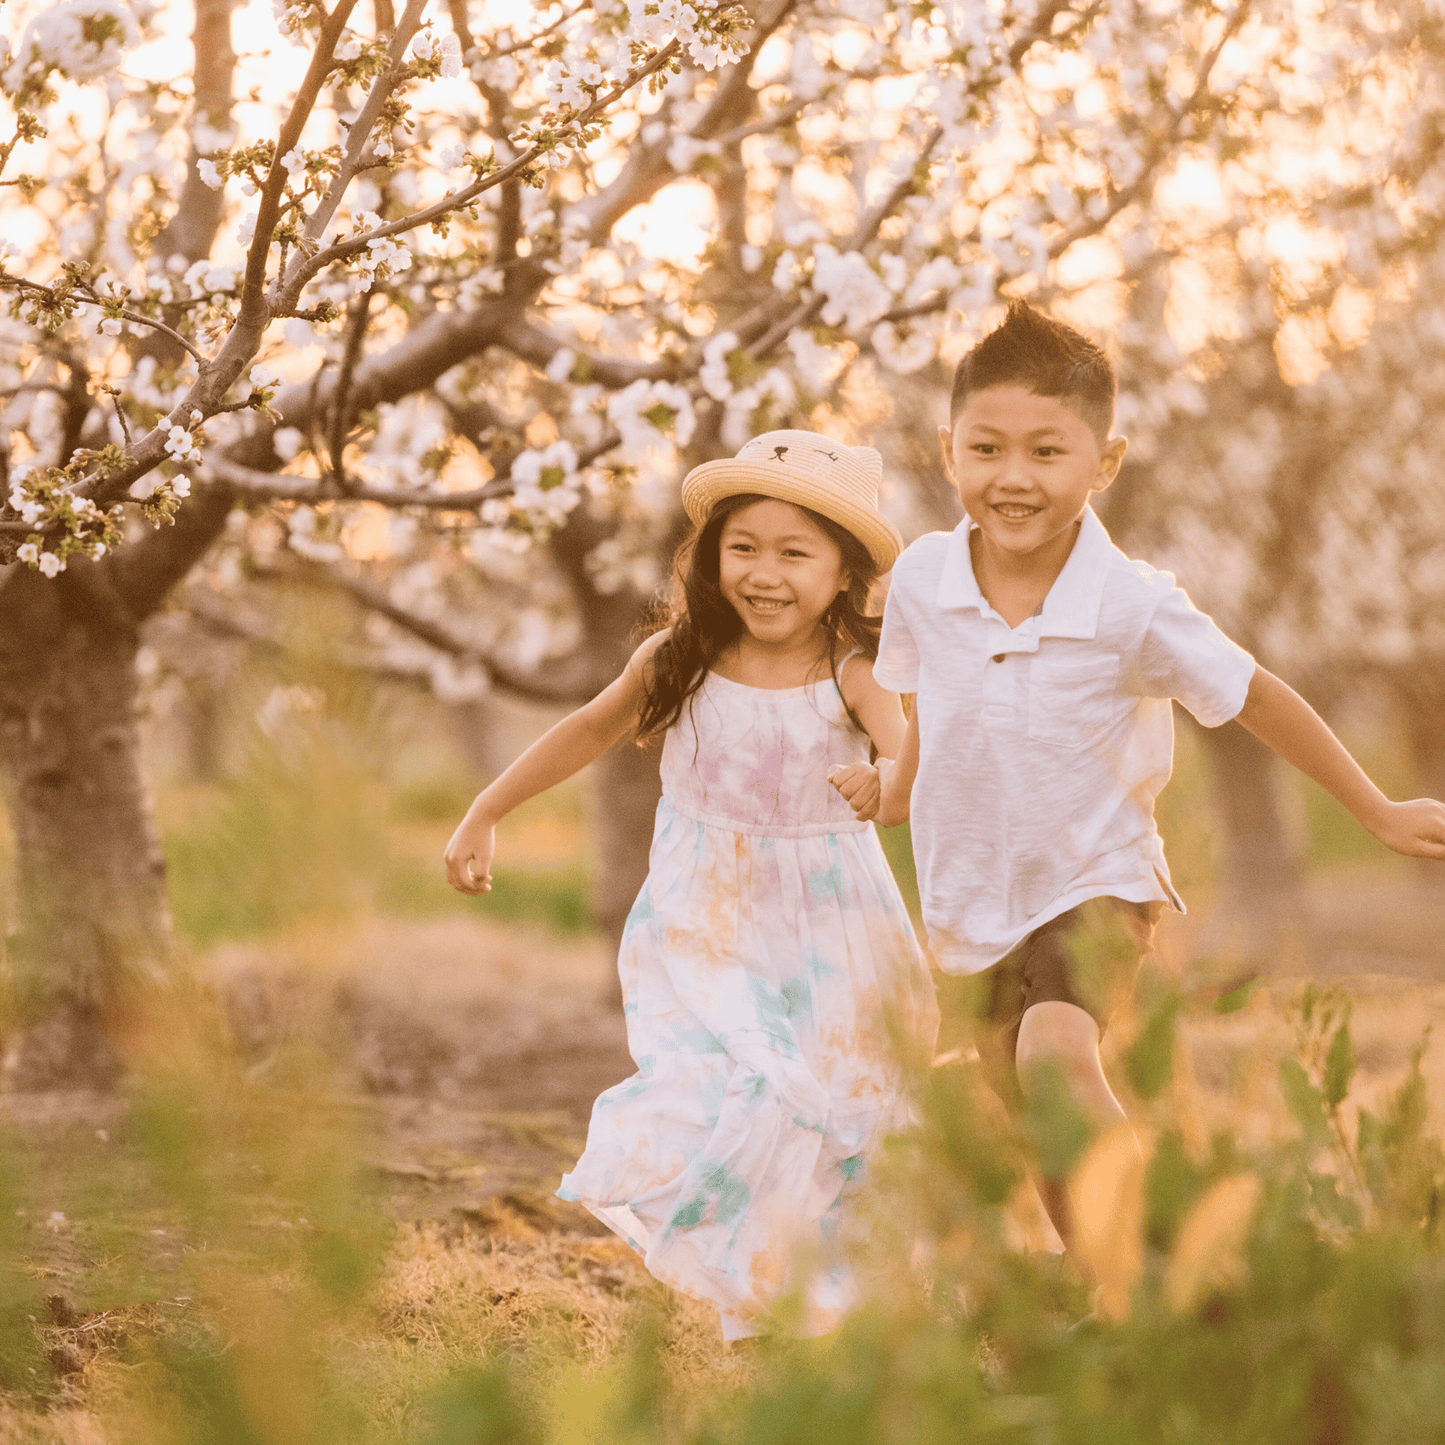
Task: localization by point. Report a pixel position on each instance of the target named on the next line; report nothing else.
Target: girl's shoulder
(649, 644)
(639, 665)
(855, 671)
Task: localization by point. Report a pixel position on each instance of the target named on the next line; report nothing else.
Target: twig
(357, 136)
(19, 283)
(114, 393)
(268, 210)
(341, 396)
(304, 269)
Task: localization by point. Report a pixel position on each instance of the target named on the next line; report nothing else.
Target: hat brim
(705, 486)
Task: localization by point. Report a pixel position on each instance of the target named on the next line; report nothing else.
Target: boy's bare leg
(1060, 1039)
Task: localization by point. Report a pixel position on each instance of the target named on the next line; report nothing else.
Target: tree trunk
(627, 789)
(92, 917)
(1260, 911)
(1422, 702)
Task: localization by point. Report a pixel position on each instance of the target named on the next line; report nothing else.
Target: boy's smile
(1025, 466)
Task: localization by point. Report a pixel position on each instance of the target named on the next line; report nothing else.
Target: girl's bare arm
(580, 738)
(879, 710)
(881, 714)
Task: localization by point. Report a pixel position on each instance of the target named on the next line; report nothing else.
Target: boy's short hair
(1046, 357)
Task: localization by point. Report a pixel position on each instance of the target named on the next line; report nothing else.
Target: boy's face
(1024, 466)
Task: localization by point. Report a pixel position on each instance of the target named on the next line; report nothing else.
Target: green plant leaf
(1150, 1060)
(1234, 999)
(1305, 1101)
(1339, 1065)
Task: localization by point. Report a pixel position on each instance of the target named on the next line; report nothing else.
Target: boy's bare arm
(898, 778)
(866, 788)
(1280, 718)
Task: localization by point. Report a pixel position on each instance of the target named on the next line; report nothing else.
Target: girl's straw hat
(808, 470)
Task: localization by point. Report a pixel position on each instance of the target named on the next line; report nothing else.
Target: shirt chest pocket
(1072, 701)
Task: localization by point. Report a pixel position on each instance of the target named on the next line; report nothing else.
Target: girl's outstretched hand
(469, 855)
(860, 785)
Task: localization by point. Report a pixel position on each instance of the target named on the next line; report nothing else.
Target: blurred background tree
(387, 337)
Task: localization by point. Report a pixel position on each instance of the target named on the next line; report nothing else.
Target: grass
(311, 832)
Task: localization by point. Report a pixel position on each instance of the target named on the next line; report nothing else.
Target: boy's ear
(945, 441)
(1111, 457)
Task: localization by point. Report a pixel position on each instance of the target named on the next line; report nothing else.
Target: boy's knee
(1057, 1036)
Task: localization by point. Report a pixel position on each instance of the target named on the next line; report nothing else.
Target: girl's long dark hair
(703, 621)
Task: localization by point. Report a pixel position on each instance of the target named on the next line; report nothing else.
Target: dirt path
(479, 1049)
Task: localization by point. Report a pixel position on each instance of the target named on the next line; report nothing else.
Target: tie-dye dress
(768, 967)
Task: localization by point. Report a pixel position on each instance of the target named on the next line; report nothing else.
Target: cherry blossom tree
(434, 307)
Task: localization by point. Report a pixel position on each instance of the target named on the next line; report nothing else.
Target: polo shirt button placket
(999, 686)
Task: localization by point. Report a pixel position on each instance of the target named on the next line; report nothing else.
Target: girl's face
(779, 570)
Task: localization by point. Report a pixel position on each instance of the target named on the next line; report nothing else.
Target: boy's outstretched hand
(860, 785)
(1416, 828)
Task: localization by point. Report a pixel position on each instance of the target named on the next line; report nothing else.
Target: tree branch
(304, 269)
(357, 137)
(528, 341)
(191, 232)
(268, 210)
(341, 396)
(568, 680)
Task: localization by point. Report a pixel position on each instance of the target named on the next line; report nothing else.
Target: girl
(769, 953)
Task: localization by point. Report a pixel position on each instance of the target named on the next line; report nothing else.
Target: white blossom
(50, 564)
(302, 538)
(714, 370)
(287, 441)
(642, 411)
(563, 88)
(181, 445)
(559, 369)
(80, 38)
(208, 173)
(856, 293)
(902, 352)
(817, 364)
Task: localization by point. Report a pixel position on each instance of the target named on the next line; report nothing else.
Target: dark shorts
(1088, 956)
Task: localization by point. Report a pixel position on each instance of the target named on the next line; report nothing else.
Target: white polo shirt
(1043, 746)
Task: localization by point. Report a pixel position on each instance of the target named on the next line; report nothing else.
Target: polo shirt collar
(1072, 607)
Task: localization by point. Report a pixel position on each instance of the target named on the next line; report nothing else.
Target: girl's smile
(779, 570)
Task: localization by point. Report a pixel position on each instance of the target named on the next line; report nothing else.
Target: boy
(1043, 662)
